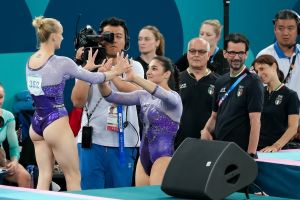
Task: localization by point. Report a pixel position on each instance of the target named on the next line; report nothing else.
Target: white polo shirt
(98, 121)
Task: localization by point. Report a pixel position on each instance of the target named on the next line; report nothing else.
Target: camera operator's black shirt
(233, 123)
(197, 99)
(278, 105)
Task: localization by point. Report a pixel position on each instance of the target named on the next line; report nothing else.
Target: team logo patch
(240, 91)
(182, 86)
(223, 89)
(211, 89)
(278, 100)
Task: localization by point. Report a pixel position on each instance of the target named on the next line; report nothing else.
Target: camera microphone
(76, 32)
(291, 46)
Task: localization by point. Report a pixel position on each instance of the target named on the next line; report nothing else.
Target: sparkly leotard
(160, 113)
(46, 85)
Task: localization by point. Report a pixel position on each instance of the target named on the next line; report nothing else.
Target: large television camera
(89, 39)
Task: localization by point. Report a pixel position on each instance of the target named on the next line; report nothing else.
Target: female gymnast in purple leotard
(161, 109)
(50, 131)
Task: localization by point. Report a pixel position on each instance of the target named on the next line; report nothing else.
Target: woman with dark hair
(279, 118)
(161, 109)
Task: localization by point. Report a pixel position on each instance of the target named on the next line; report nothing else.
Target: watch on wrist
(253, 155)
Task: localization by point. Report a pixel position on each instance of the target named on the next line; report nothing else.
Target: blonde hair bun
(38, 22)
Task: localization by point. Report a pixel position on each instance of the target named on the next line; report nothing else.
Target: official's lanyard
(231, 88)
(89, 115)
(213, 56)
(288, 76)
(121, 134)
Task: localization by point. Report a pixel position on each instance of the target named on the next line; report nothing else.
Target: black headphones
(288, 14)
(113, 21)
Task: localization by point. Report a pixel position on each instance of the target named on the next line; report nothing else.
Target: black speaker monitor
(208, 170)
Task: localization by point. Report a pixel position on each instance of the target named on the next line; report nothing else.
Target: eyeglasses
(201, 52)
(234, 53)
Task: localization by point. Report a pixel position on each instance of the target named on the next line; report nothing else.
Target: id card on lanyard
(121, 134)
(112, 119)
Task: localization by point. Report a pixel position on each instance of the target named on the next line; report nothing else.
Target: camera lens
(1, 122)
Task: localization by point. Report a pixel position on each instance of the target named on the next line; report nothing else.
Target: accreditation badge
(112, 118)
(182, 86)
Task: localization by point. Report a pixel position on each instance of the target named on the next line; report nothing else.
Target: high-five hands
(106, 65)
(122, 64)
(90, 63)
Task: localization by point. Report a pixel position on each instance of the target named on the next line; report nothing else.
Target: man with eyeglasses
(211, 31)
(238, 100)
(197, 86)
(286, 50)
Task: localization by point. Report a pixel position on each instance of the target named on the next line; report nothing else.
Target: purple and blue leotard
(160, 113)
(46, 85)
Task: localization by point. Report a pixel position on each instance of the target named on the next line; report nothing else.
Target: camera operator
(99, 162)
(85, 40)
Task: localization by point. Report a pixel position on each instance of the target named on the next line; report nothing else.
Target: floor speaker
(208, 170)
